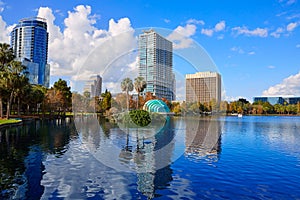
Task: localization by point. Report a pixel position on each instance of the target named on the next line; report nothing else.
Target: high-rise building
(203, 87)
(156, 64)
(29, 40)
(94, 86)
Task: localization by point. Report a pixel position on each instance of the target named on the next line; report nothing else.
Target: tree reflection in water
(22, 151)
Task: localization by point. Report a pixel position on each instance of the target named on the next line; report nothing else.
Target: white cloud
(1, 6)
(207, 32)
(251, 53)
(195, 21)
(220, 26)
(277, 33)
(271, 67)
(81, 49)
(298, 46)
(260, 32)
(220, 37)
(287, 2)
(181, 36)
(232, 98)
(237, 49)
(291, 26)
(167, 21)
(289, 86)
(5, 31)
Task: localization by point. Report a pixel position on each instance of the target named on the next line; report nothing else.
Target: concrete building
(156, 64)
(94, 85)
(29, 40)
(203, 87)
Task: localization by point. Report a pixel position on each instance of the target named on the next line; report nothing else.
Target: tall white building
(156, 64)
(203, 87)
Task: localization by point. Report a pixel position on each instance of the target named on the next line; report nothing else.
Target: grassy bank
(9, 121)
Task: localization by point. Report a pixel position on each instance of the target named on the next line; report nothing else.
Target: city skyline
(255, 45)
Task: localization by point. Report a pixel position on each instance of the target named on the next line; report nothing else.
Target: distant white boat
(240, 115)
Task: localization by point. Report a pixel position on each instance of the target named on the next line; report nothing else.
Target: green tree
(127, 86)
(59, 97)
(36, 96)
(213, 105)
(224, 106)
(15, 79)
(267, 107)
(139, 85)
(106, 100)
(291, 108)
(6, 56)
(62, 86)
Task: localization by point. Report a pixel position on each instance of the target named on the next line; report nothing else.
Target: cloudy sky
(254, 44)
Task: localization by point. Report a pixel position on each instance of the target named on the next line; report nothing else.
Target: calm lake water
(188, 158)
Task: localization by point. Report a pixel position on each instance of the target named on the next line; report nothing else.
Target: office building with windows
(203, 87)
(278, 100)
(156, 64)
(29, 40)
(94, 86)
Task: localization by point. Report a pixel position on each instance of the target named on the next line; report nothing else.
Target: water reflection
(49, 160)
(203, 137)
(22, 152)
(139, 150)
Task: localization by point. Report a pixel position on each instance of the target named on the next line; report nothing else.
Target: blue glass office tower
(29, 40)
(156, 64)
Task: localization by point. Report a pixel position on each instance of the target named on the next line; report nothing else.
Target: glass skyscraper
(156, 64)
(29, 40)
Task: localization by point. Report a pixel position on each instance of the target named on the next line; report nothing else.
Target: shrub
(140, 117)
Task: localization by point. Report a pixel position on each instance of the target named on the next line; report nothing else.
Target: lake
(251, 157)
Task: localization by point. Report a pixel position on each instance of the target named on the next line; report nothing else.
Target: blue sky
(255, 44)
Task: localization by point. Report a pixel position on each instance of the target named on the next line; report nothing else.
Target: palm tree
(16, 80)
(127, 86)
(6, 56)
(139, 85)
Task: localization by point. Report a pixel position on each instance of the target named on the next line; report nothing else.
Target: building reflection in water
(203, 137)
(148, 153)
(153, 161)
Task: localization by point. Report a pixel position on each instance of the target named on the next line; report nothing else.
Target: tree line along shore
(19, 98)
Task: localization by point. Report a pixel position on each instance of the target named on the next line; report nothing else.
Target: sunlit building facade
(203, 87)
(156, 64)
(29, 40)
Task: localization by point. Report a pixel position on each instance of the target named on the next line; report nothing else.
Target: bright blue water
(190, 158)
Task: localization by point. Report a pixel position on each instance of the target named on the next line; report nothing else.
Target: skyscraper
(29, 40)
(94, 86)
(203, 87)
(156, 64)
